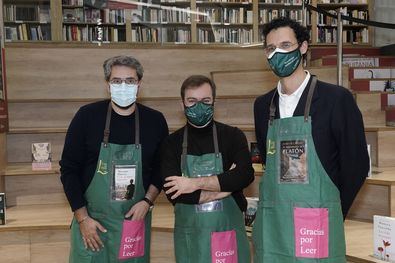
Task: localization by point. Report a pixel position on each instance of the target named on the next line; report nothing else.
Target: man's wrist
(148, 201)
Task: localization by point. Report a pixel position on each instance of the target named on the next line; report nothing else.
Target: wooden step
(19, 143)
(30, 238)
(371, 84)
(371, 73)
(229, 109)
(376, 197)
(257, 82)
(55, 217)
(319, 52)
(359, 242)
(366, 61)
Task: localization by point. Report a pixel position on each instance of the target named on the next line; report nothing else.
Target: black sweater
(85, 135)
(233, 147)
(338, 135)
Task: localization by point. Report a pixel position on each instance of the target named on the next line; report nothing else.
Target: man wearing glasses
(206, 165)
(108, 145)
(312, 140)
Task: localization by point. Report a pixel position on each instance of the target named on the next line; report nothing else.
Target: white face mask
(123, 94)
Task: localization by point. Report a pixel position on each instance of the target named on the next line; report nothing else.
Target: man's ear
(182, 105)
(303, 47)
(107, 85)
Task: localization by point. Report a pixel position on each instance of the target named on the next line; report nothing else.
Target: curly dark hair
(302, 33)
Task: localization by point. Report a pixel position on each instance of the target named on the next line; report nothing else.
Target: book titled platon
(2, 208)
(293, 167)
(41, 156)
(383, 238)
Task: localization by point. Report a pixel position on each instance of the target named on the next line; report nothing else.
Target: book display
(172, 21)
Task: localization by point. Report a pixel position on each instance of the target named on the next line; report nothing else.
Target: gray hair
(126, 61)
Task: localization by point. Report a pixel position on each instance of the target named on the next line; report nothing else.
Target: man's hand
(180, 185)
(88, 229)
(138, 211)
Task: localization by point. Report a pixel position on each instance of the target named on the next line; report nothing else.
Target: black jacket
(338, 135)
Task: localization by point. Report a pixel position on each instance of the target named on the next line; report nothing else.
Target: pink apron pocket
(311, 232)
(132, 241)
(224, 247)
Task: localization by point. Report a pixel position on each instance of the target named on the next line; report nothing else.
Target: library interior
(53, 54)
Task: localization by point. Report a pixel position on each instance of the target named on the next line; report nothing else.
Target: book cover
(2, 209)
(383, 233)
(41, 156)
(293, 162)
(256, 157)
(124, 182)
(252, 207)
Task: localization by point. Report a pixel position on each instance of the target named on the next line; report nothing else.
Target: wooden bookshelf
(188, 22)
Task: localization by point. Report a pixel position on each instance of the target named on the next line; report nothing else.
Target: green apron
(295, 181)
(101, 206)
(194, 224)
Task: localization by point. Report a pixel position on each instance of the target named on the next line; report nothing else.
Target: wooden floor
(57, 217)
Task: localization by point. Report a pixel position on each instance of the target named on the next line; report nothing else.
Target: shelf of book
(173, 21)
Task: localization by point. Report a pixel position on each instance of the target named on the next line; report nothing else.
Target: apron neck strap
(107, 127)
(307, 106)
(185, 145)
(136, 124)
(309, 98)
(272, 109)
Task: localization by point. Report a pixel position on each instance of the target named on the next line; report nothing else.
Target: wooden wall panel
(60, 73)
(371, 200)
(19, 145)
(260, 82)
(386, 143)
(15, 247)
(370, 106)
(50, 246)
(34, 190)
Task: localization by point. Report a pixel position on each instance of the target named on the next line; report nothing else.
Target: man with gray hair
(108, 144)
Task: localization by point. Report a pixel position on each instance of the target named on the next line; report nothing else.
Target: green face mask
(284, 63)
(199, 114)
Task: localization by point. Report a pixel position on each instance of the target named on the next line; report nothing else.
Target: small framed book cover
(383, 238)
(2, 209)
(123, 182)
(41, 156)
(256, 157)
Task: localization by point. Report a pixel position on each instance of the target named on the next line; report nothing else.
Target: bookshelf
(27, 20)
(175, 21)
(353, 33)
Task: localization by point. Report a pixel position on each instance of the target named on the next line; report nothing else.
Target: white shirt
(288, 103)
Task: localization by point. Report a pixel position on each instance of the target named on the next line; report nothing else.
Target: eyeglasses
(119, 81)
(283, 45)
